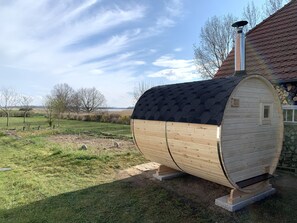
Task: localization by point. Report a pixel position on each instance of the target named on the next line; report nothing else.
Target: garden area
(77, 172)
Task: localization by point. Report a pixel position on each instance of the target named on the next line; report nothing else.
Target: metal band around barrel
(169, 148)
(133, 135)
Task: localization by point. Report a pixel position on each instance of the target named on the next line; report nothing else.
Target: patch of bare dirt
(78, 141)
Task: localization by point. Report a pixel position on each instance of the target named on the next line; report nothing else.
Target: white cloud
(37, 39)
(178, 49)
(165, 22)
(79, 10)
(175, 69)
(168, 61)
(96, 71)
(37, 35)
(46, 41)
(174, 7)
(153, 50)
(173, 11)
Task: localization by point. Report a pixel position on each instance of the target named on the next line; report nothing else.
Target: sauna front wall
(251, 143)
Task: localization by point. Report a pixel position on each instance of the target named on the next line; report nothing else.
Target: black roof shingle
(194, 102)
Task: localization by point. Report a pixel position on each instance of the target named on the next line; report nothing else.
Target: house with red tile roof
(271, 51)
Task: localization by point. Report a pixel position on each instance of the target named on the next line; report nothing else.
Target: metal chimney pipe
(239, 56)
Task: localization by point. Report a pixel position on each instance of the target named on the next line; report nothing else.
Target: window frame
(263, 120)
(294, 113)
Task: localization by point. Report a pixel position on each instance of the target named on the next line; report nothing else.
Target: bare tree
(271, 6)
(76, 103)
(49, 106)
(26, 105)
(8, 99)
(255, 15)
(141, 88)
(91, 99)
(252, 14)
(61, 97)
(62, 93)
(216, 36)
(216, 41)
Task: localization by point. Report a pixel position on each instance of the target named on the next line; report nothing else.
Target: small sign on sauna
(234, 102)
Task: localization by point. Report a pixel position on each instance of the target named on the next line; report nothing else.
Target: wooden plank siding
(250, 149)
(194, 149)
(150, 137)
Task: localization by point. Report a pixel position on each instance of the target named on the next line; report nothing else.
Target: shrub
(86, 118)
(125, 120)
(99, 117)
(15, 113)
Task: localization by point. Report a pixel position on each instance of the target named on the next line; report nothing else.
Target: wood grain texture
(150, 137)
(194, 149)
(249, 148)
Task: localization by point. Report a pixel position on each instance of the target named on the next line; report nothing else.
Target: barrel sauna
(226, 130)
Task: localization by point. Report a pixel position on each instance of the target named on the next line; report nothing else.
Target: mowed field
(53, 180)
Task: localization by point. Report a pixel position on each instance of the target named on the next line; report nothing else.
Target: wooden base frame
(234, 201)
(166, 173)
(237, 200)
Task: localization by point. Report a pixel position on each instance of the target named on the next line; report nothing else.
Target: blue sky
(108, 44)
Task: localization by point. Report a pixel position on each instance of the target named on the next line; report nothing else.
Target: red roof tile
(271, 47)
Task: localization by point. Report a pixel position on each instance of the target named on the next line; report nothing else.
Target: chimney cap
(239, 23)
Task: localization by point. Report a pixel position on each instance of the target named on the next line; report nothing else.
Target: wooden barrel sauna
(225, 130)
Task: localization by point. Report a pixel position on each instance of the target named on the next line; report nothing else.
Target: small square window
(265, 114)
(266, 111)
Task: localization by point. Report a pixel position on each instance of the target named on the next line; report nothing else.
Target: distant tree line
(64, 98)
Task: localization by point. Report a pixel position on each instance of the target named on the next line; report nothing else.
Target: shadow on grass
(119, 201)
(138, 199)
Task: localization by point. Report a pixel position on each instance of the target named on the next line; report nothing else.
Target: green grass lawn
(67, 127)
(56, 182)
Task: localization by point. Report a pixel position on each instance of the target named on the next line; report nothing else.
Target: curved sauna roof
(200, 102)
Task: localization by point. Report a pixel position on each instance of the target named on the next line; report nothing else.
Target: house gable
(271, 48)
